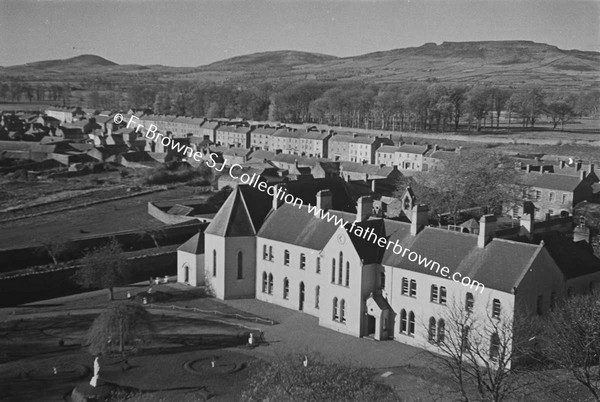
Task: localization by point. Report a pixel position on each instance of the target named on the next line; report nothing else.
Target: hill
(504, 63)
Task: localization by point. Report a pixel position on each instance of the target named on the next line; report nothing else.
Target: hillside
(507, 63)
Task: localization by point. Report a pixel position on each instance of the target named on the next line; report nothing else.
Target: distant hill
(83, 61)
(505, 63)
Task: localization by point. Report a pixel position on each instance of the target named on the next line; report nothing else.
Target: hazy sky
(193, 33)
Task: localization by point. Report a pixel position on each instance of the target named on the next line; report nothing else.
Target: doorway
(370, 325)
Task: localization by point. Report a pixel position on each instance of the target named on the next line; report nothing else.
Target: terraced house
(311, 143)
(352, 147)
(257, 247)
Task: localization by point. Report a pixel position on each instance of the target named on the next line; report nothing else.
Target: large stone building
(257, 247)
(353, 147)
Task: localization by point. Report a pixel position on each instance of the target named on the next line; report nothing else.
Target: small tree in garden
(103, 267)
(120, 324)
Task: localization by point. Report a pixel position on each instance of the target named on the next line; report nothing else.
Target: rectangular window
(413, 288)
(404, 286)
(496, 308)
(551, 197)
(302, 261)
(564, 199)
(443, 295)
(434, 294)
(538, 195)
(270, 253)
(265, 253)
(286, 257)
(318, 265)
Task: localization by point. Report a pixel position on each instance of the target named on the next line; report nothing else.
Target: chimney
(562, 164)
(296, 163)
(276, 201)
(390, 136)
(487, 229)
(419, 219)
(591, 168)
(373, 185)
(435, 147)
(527, 221)
(364, 208)
(582, 174)
(528, 168)
(324, 200)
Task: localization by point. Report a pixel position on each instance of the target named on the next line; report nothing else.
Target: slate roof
(413, 149)
(573, 259)
(388, 149)
(444, 155)
(550, 181)
(351, 139)
(194, 245)
(234, 129)
(310, 135)
(235, 151)
(233, 219)
(375, 170)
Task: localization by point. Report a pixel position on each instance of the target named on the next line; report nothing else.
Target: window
(333, 270)
(286, 257)
(540, 305)
(496, 308)
(382, 280)
(335, 309)
(302, 261)
(265, 253)
(494, 346)
(432, 326)
(404, 286)
(441, 330)
(317, 294)
(347, 273)
(443, 295)
(469, 302)
(240, 265)
(434, 293)
(413, 288)
(270, 289)
(270, 253)
(403, 321)
(318, 265)
(264, 282)
(411, 323)
(551, 196)
(515, 212)
(465, 344)
(340, 269)
(342, 311)
(564, 199)
(214, 262)
(286, 288)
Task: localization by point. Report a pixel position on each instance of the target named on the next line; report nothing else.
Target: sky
(189, 33)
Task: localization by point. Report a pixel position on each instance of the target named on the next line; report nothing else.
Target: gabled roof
(550, 181)
(233, 219)
(194, 245)
(388, 149)
(355, 139)
(444, 155)
(413, 149)
(573, 259)
(375, 170)
(235, 129)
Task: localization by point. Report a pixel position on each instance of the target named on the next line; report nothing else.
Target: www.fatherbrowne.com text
(277, 192)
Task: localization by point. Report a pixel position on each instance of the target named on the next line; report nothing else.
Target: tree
(288, 379)
(483, 352)
(103, 267)
(560, 109)
(56, 247)
(122, 323)
(572, 339)
(472, 179)
(478, 102)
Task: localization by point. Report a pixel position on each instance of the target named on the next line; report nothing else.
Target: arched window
(286, 288)
(264, 282)
(240, 266)
(335, 309)
(403, 321)
(496, 308)
(434, 293)
(494, 346)
(413, 288)
(317, 294)
(404, 286)
(411, 323)
(214, 262)
(343, 311)
(286, 257)
(333, 270)
(442, 295)
(270, 289)
(340, 269)
(432, 326)
(318, 265)
(469, 302)
(441, 330)
(347, 273)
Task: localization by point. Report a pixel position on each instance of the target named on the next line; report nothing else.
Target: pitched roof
(443, 155)
(353, 139)
(550, 181)
(573, 259)
(235, 129)
(413, 149)
(194, 245)
(388, 149)
(375, 170)
(233, 219)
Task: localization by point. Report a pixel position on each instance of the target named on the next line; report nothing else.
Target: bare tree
(483, 353)
(121, 323)
(56, 247)
(103, 267)
(572, 340)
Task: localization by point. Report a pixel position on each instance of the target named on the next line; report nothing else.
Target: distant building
(353, 147)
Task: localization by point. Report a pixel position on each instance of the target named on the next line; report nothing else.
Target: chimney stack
(582, 174)
(373, 185)
(419, 219)
(364, 208)
(528, 168)
(591, 168)
(276, 201)
(487, 230)
(435, 147)
(527, 221)
(562, 164)
(324, 200)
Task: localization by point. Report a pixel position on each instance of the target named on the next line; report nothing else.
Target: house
(260, 138)
(208, 129)
(236, 135)
(283, 254)
(352, 147)
(365, 171)
(62, 114)
(411, 157)
(309, 143)
(437, 159)
(387, 155)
